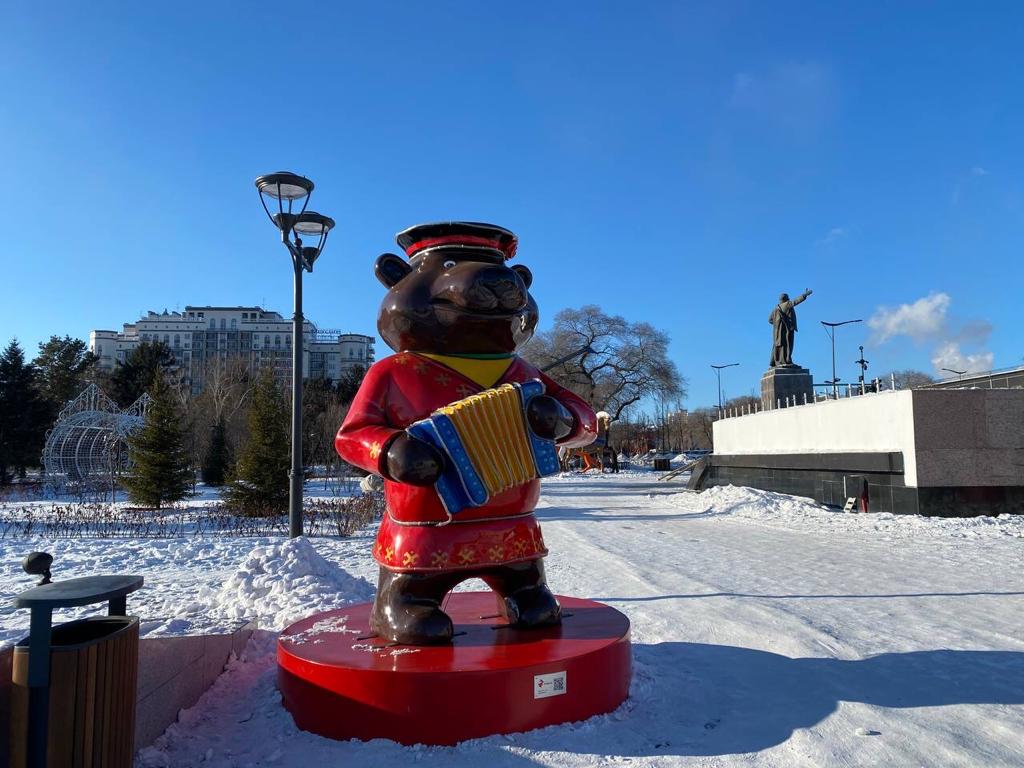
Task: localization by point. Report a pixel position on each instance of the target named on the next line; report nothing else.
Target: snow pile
(278, 584)
(797, 512)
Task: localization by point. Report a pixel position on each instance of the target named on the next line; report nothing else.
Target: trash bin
(93, 671)
(662, 465)
(88, 665)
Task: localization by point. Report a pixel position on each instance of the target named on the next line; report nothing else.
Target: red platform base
(338, 683)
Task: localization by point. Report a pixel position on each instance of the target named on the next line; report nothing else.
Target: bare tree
(909, 378)
(621, 362)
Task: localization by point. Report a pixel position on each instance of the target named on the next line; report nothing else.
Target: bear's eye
(449, 264)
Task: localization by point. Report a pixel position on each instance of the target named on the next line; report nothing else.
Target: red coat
(415, 534)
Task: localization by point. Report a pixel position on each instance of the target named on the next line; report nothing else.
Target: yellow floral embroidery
(439, 559)
(389, 553)
(410, 558)
(375, 450)
(467, 556)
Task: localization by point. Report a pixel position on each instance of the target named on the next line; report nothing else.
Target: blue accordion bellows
(463, 484)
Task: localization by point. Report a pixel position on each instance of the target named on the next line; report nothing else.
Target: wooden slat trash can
(93, 673)
(99, 667)
(662, 465)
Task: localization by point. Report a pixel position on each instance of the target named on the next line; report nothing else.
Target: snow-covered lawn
(767, 631)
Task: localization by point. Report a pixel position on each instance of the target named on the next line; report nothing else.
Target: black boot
(407, 609)
(524, 591)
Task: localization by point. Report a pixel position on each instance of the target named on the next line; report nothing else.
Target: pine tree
(160, 471)
(137, 373)
(260, 482)
(218, 455)
(22, 414)
(63, 365)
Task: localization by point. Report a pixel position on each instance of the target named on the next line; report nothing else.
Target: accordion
(488, 444)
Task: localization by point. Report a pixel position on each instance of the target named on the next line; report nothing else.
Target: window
(223, 324)
(177, 339)
(213, 323)
(277, 341)
(234, 323)
(245, 315)
(266, 340)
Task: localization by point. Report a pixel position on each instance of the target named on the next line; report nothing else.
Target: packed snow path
(766, 631)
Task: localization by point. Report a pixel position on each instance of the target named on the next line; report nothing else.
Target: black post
(295, 491)
(835, 381)
(38, 685)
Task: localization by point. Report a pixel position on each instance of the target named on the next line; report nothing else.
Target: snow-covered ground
(767, 631)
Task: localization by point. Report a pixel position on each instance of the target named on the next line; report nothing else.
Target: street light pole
(954, 370)
(285, 186)
(863, 368)
(718, 374)
(830, 329)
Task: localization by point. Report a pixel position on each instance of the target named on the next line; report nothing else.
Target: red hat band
(508, 249)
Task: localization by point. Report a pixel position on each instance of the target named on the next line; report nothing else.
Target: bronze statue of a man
(783, 320)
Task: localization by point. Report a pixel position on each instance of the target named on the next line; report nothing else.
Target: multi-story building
(199, 335)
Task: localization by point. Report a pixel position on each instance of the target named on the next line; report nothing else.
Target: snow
(767, 631)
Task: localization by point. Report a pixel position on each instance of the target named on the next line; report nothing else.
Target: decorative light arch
(88, 440)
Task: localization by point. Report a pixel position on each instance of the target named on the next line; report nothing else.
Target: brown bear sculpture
(455, 313)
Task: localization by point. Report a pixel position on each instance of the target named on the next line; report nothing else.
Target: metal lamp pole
(830, 329)
(954, 370)
(285, 186)
(718, 374)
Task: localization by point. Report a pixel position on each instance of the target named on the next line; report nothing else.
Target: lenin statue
(783, 320)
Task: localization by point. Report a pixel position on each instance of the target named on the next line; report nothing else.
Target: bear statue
(455, 313)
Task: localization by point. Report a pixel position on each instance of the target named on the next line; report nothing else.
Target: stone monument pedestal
(786, 385)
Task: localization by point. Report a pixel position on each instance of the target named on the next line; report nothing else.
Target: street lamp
(954, 370)
(863, 368)
(718, 373)
(830, 329)
(289, 190)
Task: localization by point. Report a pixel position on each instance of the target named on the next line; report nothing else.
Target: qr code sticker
(552, 684)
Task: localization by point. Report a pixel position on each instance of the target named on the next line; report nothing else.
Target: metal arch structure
(88, 440)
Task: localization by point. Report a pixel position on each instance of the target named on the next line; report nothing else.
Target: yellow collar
(486, 373)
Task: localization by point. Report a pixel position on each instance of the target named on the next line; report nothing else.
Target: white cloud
(922, 320)
(925, 320)
(979, 171)
(834, 235)
(948, 355)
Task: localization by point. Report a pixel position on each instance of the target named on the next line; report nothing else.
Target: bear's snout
(477, 288)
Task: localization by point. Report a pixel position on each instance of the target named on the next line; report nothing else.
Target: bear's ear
(524, 273)
(390, 269)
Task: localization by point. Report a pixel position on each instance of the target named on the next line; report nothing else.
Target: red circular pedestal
(339, 683)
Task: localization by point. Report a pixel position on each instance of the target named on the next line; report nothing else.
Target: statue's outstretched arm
(802, 296)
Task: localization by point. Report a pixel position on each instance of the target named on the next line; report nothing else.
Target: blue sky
(672, 162)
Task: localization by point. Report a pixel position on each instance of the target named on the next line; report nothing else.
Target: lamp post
(290, 189)
(718, 374)
(954, 370)
(863, 368)
(830, 329)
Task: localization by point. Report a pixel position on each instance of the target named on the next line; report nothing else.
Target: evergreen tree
(349, 383)
(22, 415)
(160, 471)
(260, 482)
(218, 455)
(139, 371)
(63, 364)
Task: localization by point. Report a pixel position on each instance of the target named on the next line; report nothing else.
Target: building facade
(197, 336)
